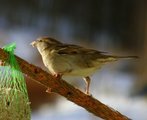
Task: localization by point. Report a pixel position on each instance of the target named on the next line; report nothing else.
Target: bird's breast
(57, 64)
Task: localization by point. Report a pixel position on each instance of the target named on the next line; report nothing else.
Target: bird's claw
(49, 90)
(57, 76)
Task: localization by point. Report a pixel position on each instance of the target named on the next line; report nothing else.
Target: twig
(68, 91)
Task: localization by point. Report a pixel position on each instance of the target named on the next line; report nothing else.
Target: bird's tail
(126, 57)
(111, 58)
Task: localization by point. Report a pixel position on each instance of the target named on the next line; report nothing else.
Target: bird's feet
(49, 90)
(58, 76)
(87, 92)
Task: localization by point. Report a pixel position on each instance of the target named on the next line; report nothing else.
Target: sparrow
(63, 59)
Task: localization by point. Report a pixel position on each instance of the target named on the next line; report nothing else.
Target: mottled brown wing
(75, 49)
(84, 57)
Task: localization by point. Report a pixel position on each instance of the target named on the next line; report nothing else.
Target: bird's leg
(87, 80)
(58, 77)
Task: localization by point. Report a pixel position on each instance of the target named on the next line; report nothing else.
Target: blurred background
(117, 27)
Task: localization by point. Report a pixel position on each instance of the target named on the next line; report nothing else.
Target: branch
(68, 91)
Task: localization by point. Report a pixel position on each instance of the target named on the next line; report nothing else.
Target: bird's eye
(40, 40)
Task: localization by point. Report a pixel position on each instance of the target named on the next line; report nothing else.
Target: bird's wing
(75, 49)
(84, 57)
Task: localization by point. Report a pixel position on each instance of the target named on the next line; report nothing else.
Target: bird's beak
(33, 43)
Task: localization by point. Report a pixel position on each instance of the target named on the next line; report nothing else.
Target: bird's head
(44, 41)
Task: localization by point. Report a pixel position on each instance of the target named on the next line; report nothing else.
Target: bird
(64, 59)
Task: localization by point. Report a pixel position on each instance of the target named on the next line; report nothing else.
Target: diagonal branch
(68, 91)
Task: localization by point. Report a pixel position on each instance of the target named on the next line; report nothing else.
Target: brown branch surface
(68, 91)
